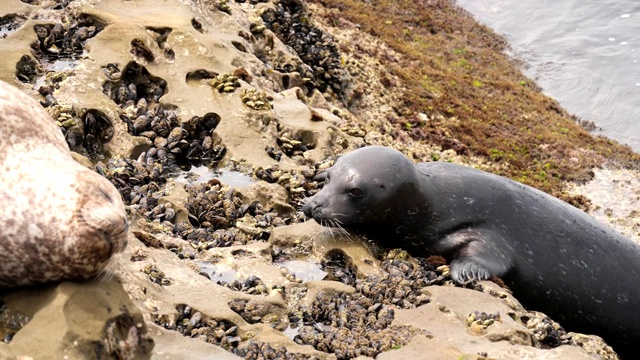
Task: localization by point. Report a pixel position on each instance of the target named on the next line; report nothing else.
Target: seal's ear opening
(378, 183)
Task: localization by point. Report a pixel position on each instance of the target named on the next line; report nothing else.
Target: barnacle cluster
(225, 83)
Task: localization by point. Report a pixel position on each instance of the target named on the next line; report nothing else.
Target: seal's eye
(356, 193)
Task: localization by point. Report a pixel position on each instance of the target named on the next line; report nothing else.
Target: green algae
(455, 70)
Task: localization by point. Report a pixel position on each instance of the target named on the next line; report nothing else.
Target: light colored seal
(59, 220)
(555, 258)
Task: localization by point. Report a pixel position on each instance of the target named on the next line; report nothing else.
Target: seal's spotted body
(555, 258)
(59, 220)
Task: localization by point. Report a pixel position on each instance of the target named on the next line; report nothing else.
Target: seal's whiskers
(338, 225)
(105, 275)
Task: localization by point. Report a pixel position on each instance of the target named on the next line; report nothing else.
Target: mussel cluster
(213, 212)
(140, 185)
(174, 143)
(335, 264)
(548, 332)
(53, 5)
(353, 325)
(65, 40)
(127, 87)
(400, 286)
(91, 132)
(252, 285)
(360, 324)
(204, 147)
(317, 50)
(212, 205)
(252, 2)
(257, 311)
(260, 351)
(192, 323)
(85, 131)
(28, 69)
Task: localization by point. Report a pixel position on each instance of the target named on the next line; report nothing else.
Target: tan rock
(94, 320)
(445, 318)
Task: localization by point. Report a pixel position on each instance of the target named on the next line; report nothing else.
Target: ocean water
(585, 54)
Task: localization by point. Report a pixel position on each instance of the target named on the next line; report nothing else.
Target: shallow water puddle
(59, 65)
(10, 23)
(62, 65)
(202, 174)
(293, 330)
(217, 272)
(304, 270)
(5, 30)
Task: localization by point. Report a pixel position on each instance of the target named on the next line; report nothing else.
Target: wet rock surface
(164, 99)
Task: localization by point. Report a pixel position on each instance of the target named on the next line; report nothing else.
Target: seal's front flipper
(465, 270)
(477, 254)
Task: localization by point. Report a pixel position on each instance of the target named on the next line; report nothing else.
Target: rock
(445, 317)
(169, 55)
(437, 351)
(170, 345)
(92, 320)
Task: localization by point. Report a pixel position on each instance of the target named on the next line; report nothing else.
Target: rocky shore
(212, 119)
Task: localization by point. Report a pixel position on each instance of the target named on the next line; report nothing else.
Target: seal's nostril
(310, 207)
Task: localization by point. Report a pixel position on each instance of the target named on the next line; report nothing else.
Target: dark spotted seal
(554, 257)
(59, 220)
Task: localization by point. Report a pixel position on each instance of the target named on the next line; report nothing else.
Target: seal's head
(59, 220)
(364, 187)
(100, 223)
